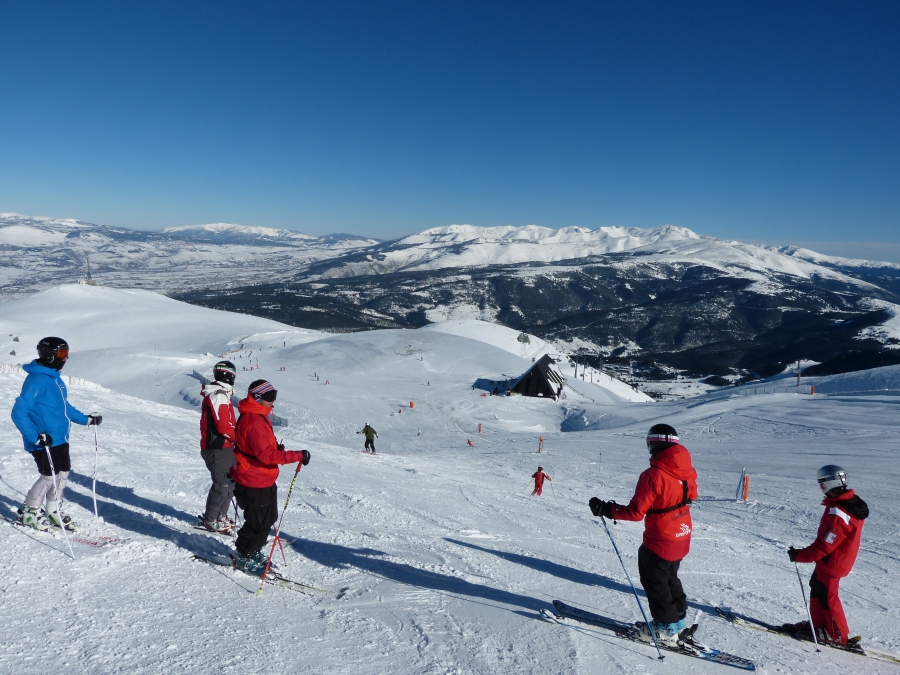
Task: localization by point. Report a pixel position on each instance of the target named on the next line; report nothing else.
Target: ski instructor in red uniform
(663, 494)
(834, 551)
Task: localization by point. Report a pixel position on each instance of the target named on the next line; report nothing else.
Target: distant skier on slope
(834, 552)
(539, 481)
(217, 424)
(256, 458)
(371, 435)
(663, 493)
(42, 413)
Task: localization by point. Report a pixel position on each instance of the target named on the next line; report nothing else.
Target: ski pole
(553, 491)
(808, 613)
(277, 539)
(633, 590)
(58, 514)
(94, 486)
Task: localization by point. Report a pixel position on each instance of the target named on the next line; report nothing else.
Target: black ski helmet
(224, 371)
(540, 468)
(53, 352)
(660, 437)
(831, 476)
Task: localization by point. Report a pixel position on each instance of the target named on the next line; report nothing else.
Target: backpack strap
(684, 501)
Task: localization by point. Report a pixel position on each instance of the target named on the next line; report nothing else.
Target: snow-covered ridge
(835, 261)
(469, 246)
(230, 230)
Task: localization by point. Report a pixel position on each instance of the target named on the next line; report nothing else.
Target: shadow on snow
(141, 523)
(372, 561)
(568, 573)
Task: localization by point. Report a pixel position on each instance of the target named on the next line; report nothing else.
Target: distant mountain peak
(232, 230)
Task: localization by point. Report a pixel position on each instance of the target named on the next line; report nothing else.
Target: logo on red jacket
(685, 531)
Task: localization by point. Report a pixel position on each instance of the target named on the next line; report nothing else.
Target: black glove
(94, 419)
(306, 457)
(44, 439)
(601, 508)
(281, 447)
(792, 554)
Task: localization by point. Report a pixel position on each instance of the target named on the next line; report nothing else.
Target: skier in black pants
(371, 435)
(663, 495)
(257, 456)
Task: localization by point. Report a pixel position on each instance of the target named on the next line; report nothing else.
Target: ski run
(434, 558)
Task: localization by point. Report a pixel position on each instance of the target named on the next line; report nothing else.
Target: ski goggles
(662, 438)
(62, 352)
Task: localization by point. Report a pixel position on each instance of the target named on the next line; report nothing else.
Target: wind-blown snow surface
(447, 558)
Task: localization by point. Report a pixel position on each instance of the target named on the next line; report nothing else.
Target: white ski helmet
(831, 476)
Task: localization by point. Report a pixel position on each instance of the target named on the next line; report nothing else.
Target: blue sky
(768, 122)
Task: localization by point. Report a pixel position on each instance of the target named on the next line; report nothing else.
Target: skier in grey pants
(217, 424)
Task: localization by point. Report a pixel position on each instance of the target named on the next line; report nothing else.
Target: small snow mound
(494, 334)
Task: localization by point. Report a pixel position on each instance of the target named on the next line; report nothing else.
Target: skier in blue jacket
(43, 415)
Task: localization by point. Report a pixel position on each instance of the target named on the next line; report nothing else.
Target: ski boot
(220, 526)
(54, 514)
(30, 517)
(666, 633)
(253, 564)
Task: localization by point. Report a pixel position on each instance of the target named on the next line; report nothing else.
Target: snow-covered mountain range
(666, 296)
(37, 253)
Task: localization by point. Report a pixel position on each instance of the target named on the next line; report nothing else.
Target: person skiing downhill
(255, 472)
(371, 435)
(834, 551)
(217, 424)
(663, 494)
(539, 477)
(43, 415)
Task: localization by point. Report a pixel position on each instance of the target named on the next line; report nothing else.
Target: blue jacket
(43, 407)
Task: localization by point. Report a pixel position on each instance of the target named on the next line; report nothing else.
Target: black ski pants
(659, 577)
(260, 506)
(370, 444)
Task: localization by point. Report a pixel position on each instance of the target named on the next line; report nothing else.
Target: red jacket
(539, 478)
(216, 417)
(256, 457)
(667, 534)
(837, 543)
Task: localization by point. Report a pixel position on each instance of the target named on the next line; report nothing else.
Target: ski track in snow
(447, 558)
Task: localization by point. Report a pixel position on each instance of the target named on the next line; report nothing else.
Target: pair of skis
(94, 542)
(853, 646)
(687, 647)
(277, 579)
(566, 613)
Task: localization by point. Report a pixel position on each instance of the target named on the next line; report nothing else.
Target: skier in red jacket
(834, 552)
(663, 494)
(539, 481)
(257, 456)
(217, 446)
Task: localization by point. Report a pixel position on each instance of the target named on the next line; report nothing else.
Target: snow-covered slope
(447, 559)
(133, 341)
(598, 388)
(494, 334)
